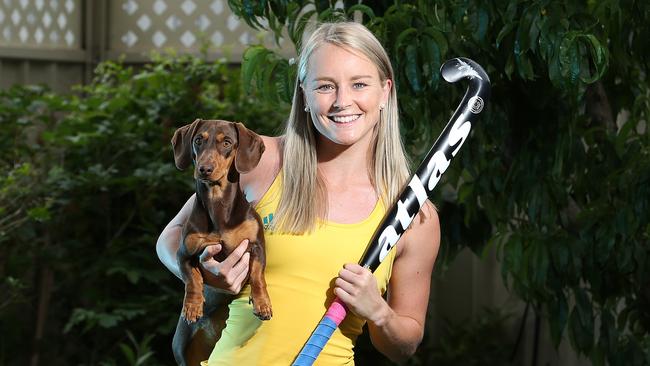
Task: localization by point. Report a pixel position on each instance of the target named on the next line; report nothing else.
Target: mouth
(344, 119)
(211, 182)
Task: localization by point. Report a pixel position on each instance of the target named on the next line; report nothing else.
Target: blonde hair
(303, 199)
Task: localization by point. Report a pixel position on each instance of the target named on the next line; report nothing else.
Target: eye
(359, 85)
(226, 143)
(325, 88)
(198, 140)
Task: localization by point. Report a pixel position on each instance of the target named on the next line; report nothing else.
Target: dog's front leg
(188, 262)
(259, 295)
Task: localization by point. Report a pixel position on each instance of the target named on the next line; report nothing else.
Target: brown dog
(220, 150)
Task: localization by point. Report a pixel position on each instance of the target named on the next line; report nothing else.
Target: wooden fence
(60, 42)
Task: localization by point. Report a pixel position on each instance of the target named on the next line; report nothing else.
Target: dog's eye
(197, 141)
(227, 143)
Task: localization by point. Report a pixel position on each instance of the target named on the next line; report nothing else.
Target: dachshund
(220, 151)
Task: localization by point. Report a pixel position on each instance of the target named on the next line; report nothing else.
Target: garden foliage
(87, 182)
(555, 174)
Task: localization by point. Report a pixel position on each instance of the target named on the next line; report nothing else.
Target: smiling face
(344, 94)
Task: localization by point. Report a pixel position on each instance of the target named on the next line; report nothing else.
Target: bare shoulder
(256, 182)
(423, 236)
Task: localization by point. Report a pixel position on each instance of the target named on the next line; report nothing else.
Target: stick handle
(322, 334)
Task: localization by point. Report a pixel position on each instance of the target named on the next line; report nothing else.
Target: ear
(388, 84)
(249, 150)
(182, 144)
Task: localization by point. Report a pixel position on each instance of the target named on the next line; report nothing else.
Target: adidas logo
(266, 220)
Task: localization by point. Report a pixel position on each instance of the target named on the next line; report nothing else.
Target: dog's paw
(192, 312)
(262, 309)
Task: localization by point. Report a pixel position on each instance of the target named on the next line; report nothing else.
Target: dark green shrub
(87, 182)
(555, 174)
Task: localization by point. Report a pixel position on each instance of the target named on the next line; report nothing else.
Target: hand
(357, 288)
(229, 275)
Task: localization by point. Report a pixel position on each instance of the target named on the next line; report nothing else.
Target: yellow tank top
(300, 272)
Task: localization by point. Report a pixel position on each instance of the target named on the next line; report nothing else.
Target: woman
(323, 187)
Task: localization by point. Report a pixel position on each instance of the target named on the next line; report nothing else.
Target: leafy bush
(87, 182)
(556, 172)
(481, 340)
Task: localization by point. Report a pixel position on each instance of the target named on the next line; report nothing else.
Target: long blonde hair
(303, 199)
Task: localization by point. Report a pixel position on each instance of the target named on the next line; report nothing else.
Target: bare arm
(399, 329)
(396, 326)
(170, 238)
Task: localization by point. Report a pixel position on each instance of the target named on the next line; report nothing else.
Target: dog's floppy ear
(250, 149)
(182, 144)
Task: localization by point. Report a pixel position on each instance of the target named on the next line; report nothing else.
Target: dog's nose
(206, 169)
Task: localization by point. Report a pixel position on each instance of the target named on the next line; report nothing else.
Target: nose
(206, 169)
(342, 98)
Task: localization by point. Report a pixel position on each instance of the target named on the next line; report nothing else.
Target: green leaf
(569, 57)
(404, 38)
(582, 322)
(332, 15)
(253, 57)
(541, 264)
(524, 66)
(41, 213)
(366, 10)
(128, 353)
(608, 332)
(510, 66)
(438, 38)
(296, 27)
(431, 61)
(268, 85)
(412, 68)
(505, 30)
(558, 315)
(481, 21)
(599, 59)
(533, 32)
(523, 30)
(282, 81)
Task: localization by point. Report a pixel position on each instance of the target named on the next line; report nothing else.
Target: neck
(222, 203)
(340, 163)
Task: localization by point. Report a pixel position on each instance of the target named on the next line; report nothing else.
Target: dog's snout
(206, 169)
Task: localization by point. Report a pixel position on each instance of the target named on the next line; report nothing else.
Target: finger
(209, 252)
(241, 266)
(355, 268)
(348, 275)
(345, 286)
(236, 254)
(344, 296)
(238, 283)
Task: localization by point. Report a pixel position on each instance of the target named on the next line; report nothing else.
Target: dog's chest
(249, 229)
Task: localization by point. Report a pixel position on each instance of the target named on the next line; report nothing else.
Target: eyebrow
(355, 77)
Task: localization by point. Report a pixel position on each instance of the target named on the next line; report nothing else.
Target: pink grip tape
(336, 311)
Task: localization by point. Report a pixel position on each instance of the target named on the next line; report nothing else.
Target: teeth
(345, 119)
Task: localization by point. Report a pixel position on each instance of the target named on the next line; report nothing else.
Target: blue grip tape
(316, 342)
